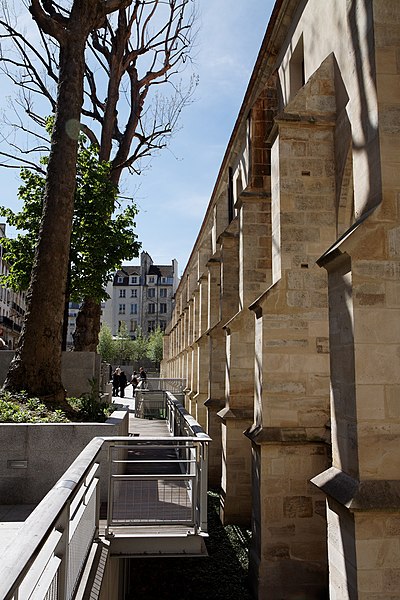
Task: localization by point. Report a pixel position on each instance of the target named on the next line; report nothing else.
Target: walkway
(12, 517)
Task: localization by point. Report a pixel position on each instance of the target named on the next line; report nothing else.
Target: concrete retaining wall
(77, 369)
(34, 456)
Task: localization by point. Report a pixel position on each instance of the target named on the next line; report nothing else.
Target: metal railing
(174, 385)
(47, 557)
(159, 482)
(152, 481)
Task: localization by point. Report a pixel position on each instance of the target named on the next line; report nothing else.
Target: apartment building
(286, 321)
(141, 297)
(12, 304)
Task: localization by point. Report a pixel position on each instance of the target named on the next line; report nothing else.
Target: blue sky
(173, 193)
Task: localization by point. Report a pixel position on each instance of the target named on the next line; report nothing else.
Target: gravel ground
(220, 576)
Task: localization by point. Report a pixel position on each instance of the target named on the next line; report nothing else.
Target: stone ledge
(235, 413)
(272, 435)
(373, 494)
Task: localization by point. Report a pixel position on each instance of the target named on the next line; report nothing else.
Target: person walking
(122, 383)
(143, 378)
(134, 381)
(115, 381)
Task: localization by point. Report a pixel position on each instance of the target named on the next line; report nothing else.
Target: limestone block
(392, 402)
(379, 451)
(370, 581)
(376, 554)
(299, 507)
(371, 403)
(377, 364)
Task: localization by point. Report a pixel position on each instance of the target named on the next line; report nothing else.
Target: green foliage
(99, 242)
(106, 347)
(19, 408)
(90, 407)
(155, 346)
(123, 345)
(122, 349)
(139, 347)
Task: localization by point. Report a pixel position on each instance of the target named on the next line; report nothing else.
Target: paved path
(13, 516)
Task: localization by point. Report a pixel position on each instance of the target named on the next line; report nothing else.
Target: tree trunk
(86, 334)
(36, 366)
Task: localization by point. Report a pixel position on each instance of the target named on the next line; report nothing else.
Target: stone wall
(34, 456)
(303, 362)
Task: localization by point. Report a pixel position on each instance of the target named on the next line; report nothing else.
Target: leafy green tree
(36, 366)
(99, 244)
(106, 347)
(155, 346)
(140, 345)
(123, 344)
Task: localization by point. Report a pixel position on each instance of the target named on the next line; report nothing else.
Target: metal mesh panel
(80, 543)
(152, 501)
(52, 592)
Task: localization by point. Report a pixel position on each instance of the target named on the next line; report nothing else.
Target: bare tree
(143, 46)
(36, 366)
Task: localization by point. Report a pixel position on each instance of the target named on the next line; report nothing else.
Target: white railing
(174, 385)
(159, 482)
(47, 557)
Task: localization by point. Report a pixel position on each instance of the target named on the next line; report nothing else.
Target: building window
(296, 69)
(152, 308)
(163, 280)
(151, 279)
(163, 293)
(133, 293)
(134, 280)
(163, 308)
(163, 325)
(120, 279)
(133, 325)
(121, 309)
(151, 326)
(122, 293)
(133, 309)
(151, 293)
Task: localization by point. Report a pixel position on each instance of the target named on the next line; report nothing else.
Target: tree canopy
(99, 243)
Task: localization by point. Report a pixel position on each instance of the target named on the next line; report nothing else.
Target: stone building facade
(141, 296)
(12, 304)
(286, 324)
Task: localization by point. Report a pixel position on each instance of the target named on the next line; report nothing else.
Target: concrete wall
(34, 456)
(77, 369)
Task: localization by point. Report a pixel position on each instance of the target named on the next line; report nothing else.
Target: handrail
(50, 557)
(43, 520)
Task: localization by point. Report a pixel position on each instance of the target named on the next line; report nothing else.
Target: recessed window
(296, 69)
